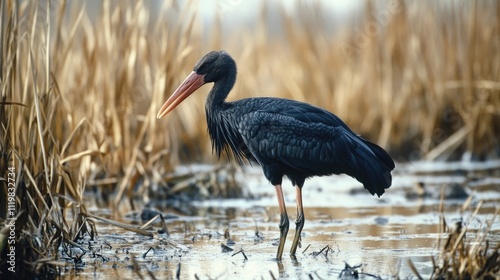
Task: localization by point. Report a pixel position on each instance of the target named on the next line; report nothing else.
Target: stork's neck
(214, 108)
(219, 92)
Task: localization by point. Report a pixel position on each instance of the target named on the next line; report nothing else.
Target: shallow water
(380, 235)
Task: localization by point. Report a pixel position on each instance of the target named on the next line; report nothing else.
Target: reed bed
(462, 256)
(81, 85)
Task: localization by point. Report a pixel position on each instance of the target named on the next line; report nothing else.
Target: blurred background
(82, 81)
(420, 78)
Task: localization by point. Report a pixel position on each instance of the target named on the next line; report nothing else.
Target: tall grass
(78, 106)
(80, 88)
(410, 76)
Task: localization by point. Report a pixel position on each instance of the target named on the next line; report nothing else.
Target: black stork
(286, 137)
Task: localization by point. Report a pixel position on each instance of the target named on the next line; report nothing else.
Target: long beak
(190, 85)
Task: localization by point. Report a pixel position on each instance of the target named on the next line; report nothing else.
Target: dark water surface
(377, 235)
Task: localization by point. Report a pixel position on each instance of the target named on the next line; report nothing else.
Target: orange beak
(192, 82)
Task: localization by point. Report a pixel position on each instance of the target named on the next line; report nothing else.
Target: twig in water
(241, 251)
(303, 252)
(258, 234)
(107, 244)
(321, 251)
(144, 255)
(164, 225)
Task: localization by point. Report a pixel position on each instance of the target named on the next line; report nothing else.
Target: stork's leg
(300, 220)
(283, 221)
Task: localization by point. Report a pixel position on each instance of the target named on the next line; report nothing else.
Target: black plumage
(298, 140)
(286, 137)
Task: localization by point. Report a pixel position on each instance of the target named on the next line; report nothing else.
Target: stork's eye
(203, 66)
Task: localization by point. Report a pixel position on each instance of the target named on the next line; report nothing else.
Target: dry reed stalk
(462, 257)
(54, 125)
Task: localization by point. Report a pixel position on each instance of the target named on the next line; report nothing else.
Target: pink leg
(300, 220)
(284, 223)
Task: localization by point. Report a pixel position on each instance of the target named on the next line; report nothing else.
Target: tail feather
(381, 154)
(372, 167)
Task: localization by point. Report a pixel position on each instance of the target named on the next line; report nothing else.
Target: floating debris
(226, 248)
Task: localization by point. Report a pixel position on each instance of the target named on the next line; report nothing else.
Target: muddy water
(344, 225)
